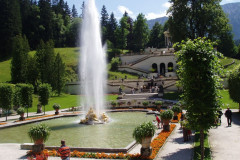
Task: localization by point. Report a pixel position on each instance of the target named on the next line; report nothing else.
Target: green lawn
(65, 101)
(224, 93)
(5, 73)
(227, 60)
(120, 75)
(197, 150)
(227, 100)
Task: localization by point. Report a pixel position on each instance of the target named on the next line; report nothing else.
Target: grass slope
(5, 71)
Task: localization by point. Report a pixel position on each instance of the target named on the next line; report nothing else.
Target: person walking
(64, 151)
(228, 114)
(158, 120)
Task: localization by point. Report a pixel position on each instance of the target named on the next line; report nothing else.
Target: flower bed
(3, 123)
(179, 117)
(156, 144)
(37, 117)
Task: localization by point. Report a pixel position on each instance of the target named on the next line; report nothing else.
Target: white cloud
(122, 9)
(166, 5)
(155, 15)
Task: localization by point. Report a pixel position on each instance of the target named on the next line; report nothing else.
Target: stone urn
(146, 149)
(166, 116)
(166, 126)
(22, 117)
(146, 142)
(38, 146)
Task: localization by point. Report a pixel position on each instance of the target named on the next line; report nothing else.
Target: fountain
(92, 66)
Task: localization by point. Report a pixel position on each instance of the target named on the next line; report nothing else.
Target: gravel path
(175, 148)
(224, 140)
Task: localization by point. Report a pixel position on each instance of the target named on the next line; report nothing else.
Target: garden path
(224, 140)
(175, 148)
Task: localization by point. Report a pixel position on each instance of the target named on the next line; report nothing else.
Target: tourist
(228, 114)
(133, 90)
(141, 89)
(219, 116)
(158, 120)
(0, 112)
(64, 151)
(120, 90)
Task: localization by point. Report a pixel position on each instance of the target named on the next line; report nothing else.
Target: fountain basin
(113, 135)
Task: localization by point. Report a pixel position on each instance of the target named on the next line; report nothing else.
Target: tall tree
(82, 8)
(19, 61)
(122, 33)
(45, 57)
(140, 32)
(130, 36)
(59, 30)
(112, 26)
(104, 23)
(234, 86)
(226, 44)
(74, 12)
(58, 75)
(32, 72)
(46, 20)
(10, 25)
(33, 27)
(44, 92)
(156, 38)
(192, 19)
(72, 33)
(6, 95)
(26, 92)
(199, 70)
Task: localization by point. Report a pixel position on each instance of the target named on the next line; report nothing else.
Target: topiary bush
(166, 115)
(56, 106)
(176, 109)
(144, 130)
(20, 110)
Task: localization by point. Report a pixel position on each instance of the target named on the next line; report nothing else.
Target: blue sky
(150, 8)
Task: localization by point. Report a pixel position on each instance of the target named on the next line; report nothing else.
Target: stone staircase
(141, 59)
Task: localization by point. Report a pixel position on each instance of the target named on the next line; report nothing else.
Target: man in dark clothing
(219, 116)
(228, 114)
(64, 151)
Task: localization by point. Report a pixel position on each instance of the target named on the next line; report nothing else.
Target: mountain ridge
(231, 9)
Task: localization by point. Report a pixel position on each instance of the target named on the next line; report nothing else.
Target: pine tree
(32, 72)
(45, 57)
(74, 12)
(104, 23)
(46, 20)
(10, 25)
(82, 8)
(122, 32)
(19, 62)
(140, 32)
(58, 74)
(112, 26)
(104, 17)
(156, 38)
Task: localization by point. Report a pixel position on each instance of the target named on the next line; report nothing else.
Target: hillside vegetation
(70, 57)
